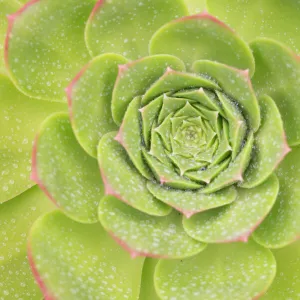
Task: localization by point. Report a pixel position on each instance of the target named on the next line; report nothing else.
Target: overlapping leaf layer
(180, 141)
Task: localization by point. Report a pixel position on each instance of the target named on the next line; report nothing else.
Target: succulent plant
(167, 144)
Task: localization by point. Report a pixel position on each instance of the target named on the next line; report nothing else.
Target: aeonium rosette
(174, 146)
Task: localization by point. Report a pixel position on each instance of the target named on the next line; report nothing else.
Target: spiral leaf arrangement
(179, 150)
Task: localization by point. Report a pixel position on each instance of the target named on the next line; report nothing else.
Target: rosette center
(185, 138)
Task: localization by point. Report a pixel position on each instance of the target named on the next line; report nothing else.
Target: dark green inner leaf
(184, 136)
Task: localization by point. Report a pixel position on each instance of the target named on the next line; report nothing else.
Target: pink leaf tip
(245, 74)
(163, 180)
(169, 70)
(122, 68)
(239, 177)
(188, 214)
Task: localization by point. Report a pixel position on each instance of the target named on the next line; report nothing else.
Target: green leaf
(188, 111)
(166, 174)
(66, 173)
(164, 131)
(144, 235)
(286, 284)
(235, 83)
(44, 66)
(204, 97)
(147, 288)
(236, 221)
(129, 136)
(16, 218)
(173, 81)
(170, 105)
(80, 261)
(20, 118)
(6, 7)
(157, 148)
(235, 170)
(210, 173)
(282, 226)
(224, 149)
(126, 27)
(185, 164)
(149, 115)
(122, 179)
(89, 97)
(191, 202)
(277, 19)
(136, 77)
(237, 123)
(270, 146)
(202, 36)
(283, 85)
(228, 271)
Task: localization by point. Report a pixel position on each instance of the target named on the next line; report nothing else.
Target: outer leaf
(283, 86)
(236, 221)
(147, 289)
(286, 284)
(6, 7)
(136, 77)
(89, 97)
(79, 261)
(202, 36)
(122, 179)
(282, 226)
(126, 27)
(63, 170)
(270, 145)
(277, 19)
(229, 271)
(20, 118)
(144, 235)
(44, 66)
(16, 218)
